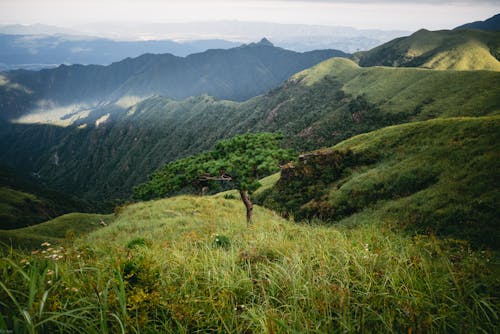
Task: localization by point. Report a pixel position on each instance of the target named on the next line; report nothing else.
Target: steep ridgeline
(436, 176)
(114, 148)
(234, 74)
(491, 24)
(455, 49)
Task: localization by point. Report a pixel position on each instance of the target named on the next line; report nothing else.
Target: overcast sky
(363, 14)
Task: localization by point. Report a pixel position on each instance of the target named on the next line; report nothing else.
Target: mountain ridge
(491, 24)
(341, 100)
(234, 74)
(443, 49)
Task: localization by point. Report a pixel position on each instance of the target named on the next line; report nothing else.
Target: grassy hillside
(64, 228)
(455, 49)
(191, 264)
(24, 202)
(318, 107)
(438, 176)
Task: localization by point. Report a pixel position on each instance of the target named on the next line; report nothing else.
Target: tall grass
(275, 276)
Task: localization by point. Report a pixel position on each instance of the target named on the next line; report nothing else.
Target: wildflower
(35, 252)
(366, 248)
(240, 307)
(46, 244)
(50, 272)
(74, 289)
(49, 282)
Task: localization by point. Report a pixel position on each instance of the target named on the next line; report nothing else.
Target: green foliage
(436, 176)
(277, 277)
(242, 160)
(221, 241)
(137, 242)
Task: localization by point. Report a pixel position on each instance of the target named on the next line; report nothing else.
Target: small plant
(229, 196)
(221, 241)
(137, 242)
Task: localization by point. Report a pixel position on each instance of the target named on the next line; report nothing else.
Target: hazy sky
(382, 14)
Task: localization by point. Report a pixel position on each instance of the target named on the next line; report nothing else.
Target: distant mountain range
(41, 46)
(491, 24)
(445, 49)
(234, 74)
(45, 51)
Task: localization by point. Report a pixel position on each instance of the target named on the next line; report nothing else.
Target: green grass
(25, 202)
(417, 93)
(18, 208)
(438, 176)
(456, 50)
(63, 228)
(195, 266)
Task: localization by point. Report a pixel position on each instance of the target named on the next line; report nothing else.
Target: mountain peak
(265, 41)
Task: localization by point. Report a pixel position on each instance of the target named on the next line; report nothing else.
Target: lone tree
(241, 160)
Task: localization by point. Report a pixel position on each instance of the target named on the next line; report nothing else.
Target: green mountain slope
(235, 74)
(24, 202)
(435, 176)
(491, 24)
(455, 49)
(64, 228)
(317, 107)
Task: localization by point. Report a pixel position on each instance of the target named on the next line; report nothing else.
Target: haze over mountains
(41, 46)
(235, 74)
(45, 51)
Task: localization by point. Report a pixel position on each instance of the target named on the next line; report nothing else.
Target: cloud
(381, 14)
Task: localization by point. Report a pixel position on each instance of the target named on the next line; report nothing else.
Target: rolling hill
(445, 49)
(105, 154)
(437, 176)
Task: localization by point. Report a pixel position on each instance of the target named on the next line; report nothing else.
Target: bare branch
(223, 177)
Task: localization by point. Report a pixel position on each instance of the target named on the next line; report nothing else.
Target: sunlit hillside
(455, 49)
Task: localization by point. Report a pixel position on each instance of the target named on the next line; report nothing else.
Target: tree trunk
(248, 204)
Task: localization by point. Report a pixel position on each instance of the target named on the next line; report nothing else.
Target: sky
(361, 14)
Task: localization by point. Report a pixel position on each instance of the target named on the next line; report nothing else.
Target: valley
(122, 206)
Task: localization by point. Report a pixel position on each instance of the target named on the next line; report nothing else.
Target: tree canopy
(241, 160)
